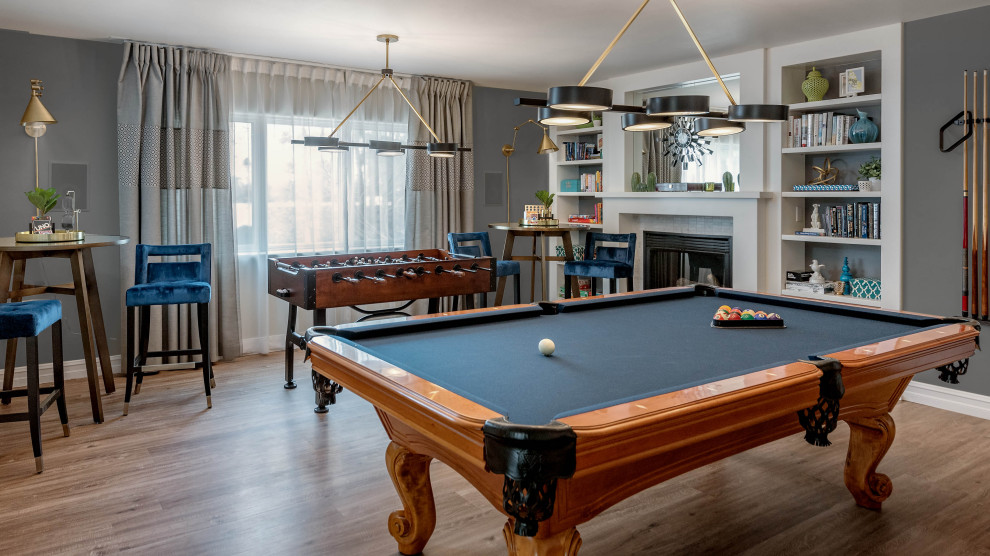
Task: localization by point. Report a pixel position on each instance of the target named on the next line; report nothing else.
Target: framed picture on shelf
(855, 81)
(842, 85)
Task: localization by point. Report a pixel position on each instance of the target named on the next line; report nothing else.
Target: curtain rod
(122, 40)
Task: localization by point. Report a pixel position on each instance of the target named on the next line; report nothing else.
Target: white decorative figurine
(817, 277)
(816, 224)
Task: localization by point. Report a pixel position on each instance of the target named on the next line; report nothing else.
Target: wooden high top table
(14, 255)
(512, 229)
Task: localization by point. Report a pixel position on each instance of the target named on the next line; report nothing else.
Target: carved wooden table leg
(869, 439)
(564, 543)
(412, 525)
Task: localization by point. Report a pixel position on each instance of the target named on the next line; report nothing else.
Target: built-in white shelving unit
(878, 51)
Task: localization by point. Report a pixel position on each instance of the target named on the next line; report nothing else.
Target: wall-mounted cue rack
(976, 215)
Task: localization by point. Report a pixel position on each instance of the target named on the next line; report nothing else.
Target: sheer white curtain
(293, 200)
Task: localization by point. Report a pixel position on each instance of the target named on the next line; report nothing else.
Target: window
(291, 199)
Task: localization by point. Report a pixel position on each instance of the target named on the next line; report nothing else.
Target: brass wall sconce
(546, 146)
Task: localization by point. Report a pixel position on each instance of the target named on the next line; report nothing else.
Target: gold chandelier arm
(608, 49)
(703, 53)
(418, 115)
(349, 114)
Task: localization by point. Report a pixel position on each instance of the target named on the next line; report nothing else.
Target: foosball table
(321, 282)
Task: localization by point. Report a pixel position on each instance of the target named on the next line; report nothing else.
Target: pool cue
(974, 239)
(984, 297)
(965, 239)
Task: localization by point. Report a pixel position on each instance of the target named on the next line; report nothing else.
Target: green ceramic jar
(815, 86)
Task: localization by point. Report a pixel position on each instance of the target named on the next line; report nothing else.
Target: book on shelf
(595, 218)
(591, 181)
(808, 287)
(581, 150)
(851, 220)
(809, 232)
(819, 129)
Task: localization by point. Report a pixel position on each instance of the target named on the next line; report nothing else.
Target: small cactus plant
(635, 182)
(727, 183)
(651, 181)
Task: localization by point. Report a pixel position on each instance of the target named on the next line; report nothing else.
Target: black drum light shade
(577, 98)
(644, 122)
(552, 116)
(386, 148)
(714, 127)
(758, 113)
(441, 150)
(683, 105)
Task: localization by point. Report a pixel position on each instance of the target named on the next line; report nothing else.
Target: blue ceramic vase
(863, 130)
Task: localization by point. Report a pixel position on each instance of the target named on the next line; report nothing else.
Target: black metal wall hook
(962, 118)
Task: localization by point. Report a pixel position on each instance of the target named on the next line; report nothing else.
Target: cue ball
(547, 347)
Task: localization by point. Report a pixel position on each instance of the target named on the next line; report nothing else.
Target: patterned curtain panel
(174, 178)
(655, 161)
(440, 190)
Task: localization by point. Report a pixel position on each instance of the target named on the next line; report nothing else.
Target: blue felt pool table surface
(610, 352)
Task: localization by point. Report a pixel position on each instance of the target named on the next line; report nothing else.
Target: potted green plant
(43, 200)
(870, 172)
(545, 197)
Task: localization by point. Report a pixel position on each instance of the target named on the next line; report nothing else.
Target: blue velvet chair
(603, 261)
(460, 244)
(168, 283)
(28, 319)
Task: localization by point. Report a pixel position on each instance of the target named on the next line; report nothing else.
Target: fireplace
(684, 259)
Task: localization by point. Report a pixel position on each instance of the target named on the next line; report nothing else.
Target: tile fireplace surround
(741, 215)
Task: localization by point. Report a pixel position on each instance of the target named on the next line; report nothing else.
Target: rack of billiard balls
(734, 317)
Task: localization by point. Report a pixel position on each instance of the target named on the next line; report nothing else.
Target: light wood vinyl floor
(260, 473)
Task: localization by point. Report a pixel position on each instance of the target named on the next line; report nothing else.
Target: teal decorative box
(570, 186)
(868, 288)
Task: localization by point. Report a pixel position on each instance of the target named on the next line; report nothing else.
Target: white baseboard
(948, 398)
(72, 369)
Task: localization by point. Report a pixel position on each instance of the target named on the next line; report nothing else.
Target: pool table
(641, 388)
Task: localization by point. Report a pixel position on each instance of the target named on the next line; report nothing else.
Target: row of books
(816, 130)
(581, 151)
(595, 218)
(853, 220)
(592, 181)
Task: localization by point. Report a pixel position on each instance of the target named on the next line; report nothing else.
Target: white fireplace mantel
(627, 212)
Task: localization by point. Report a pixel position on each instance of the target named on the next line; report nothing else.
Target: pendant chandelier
(573, 104)
(436, 149)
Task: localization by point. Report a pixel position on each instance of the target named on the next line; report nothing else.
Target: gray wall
(936, 51)
(80, 79)
(494, 117)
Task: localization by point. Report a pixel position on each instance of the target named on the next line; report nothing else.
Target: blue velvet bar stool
(603, 261)
(168, 283)
(28, 319)
(460, 244)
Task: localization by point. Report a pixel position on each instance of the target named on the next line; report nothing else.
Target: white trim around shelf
(830, 239)
(580, 131)
(588, 162)
(832, 194)
(579, 193)
(845, 102)
(851, 147)
(832, 297)
(712, 195)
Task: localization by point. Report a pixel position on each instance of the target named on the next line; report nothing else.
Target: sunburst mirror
(684, 145)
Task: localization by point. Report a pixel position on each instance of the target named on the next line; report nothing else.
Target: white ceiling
(515, 44)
